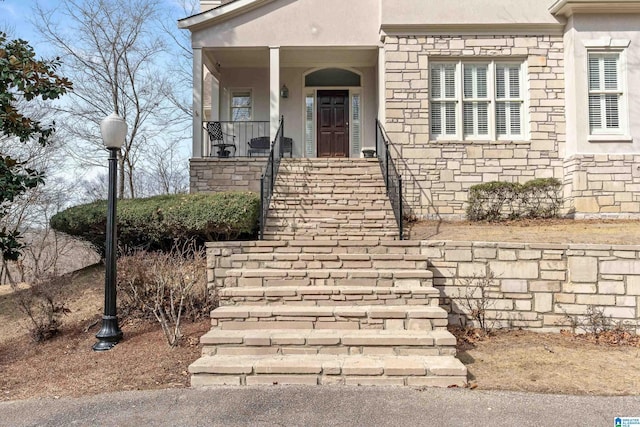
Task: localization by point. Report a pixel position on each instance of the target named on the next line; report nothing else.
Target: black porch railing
(268, 178)
(392, 179)
(233, 137)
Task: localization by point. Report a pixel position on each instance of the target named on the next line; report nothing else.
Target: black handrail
(392, 179)
(268, 178)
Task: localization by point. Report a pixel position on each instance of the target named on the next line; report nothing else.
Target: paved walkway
(320, 406)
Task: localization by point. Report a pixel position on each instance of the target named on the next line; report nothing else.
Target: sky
(15, 16)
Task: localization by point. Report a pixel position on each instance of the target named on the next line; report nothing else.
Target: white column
(197, 102)
(382, 88)
(274, 89)
(215, 98)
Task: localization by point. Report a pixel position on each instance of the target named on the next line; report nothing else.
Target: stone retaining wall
(537, 285)
(212, 175)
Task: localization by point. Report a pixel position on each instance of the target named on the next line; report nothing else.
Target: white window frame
(232, 93)
(492, 100)
(603, 133)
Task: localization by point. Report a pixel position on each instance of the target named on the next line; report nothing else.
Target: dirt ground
(513, 360)
(613, 232)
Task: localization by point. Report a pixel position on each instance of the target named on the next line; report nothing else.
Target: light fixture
(114, 131)
(284, 91)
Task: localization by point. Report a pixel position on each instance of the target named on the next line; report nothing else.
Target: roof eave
(570, 7)
(219, 14)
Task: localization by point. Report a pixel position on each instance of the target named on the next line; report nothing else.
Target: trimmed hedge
(157, 223)
(496, 201)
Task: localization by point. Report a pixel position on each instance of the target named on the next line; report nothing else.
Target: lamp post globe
(114, 130)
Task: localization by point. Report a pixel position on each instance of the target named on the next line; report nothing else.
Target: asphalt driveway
(320, 406)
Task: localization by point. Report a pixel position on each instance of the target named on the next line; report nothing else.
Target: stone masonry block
(513, 286)
(583, 269)
(514, 270)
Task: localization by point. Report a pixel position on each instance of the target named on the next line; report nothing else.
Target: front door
(333, 123)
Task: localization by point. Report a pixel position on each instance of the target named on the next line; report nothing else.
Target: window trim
(236, 90)
(621, 134)
(492, 98)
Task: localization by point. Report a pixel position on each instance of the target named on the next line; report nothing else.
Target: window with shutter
(605, 93)
(443, 100)
(475, 100)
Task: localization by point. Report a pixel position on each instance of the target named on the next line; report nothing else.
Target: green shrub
(495, 201)
(158, 223)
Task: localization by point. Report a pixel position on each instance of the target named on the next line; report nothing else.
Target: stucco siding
(298, 23)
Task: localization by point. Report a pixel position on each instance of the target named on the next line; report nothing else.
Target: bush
(495, 201)
(165, 286)
(44, 307)
(158, 223)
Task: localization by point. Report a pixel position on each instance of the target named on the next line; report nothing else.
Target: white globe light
(114, 131)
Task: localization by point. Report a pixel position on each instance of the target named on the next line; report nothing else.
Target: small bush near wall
(496, 201)
(158, 223)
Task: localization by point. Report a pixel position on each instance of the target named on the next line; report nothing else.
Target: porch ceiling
(294, 57)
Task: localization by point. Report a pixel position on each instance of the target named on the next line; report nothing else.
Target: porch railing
(268, 179)
(235, 133)
(392, 179)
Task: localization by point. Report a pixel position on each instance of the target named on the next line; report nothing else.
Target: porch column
(382, 89)
(274, 89)
(215, 98)
(197, 102)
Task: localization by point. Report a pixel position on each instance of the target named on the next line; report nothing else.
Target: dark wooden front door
(333, 123)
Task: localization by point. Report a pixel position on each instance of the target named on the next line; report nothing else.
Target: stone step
(264, 277)
(352, 342)
(416, 371)
(399, 317)
(315, 260)
(330, 295)
(277, 234)
(310, 247)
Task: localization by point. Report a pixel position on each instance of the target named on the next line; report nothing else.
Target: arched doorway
(333, 112)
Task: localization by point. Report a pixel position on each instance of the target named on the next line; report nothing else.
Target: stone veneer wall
(211, 175)
(601, 185)
(438, 174)
(537, 285)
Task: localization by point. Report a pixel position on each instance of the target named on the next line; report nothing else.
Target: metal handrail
(392, 179)
(268, 178)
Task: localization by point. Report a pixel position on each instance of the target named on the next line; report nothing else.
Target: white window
(605, 94)
(477, 100)
(241, 105)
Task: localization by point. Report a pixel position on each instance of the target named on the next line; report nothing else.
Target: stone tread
(294, 291)
(331, 273)
(328, 337)
(343, 365)
(358, 311)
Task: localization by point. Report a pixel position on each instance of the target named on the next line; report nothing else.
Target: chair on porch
(261, 146)
(220, 140)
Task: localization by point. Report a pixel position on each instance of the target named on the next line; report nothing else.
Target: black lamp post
(114, 131)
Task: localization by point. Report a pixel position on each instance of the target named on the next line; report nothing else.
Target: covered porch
(327, 98)
(317, 65)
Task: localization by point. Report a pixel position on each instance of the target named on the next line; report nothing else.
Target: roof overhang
(220, 14)
(570, 7)
(473, 29)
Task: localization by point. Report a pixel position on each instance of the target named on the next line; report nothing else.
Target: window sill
(479, 142)
(609, 138)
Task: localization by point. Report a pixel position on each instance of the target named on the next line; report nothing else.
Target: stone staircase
(355, 312)
(330, 199)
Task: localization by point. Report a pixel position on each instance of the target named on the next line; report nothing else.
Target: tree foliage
(22, 77)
